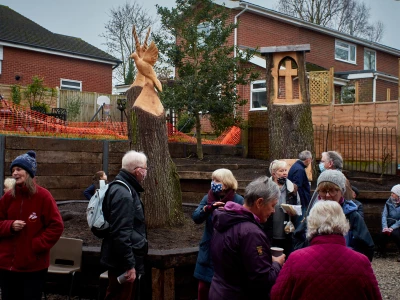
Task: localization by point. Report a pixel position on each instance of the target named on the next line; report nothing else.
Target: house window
(345, 52)
(258, 95)
(203, 31)
(72, 85)
(348, 94)
(369, 59)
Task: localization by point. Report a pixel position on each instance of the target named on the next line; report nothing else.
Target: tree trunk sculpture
(148, 133)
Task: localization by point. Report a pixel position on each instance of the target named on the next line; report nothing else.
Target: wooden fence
(89, 105)
(377, 114)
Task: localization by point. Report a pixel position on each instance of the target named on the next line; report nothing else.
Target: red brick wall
(258, 31)
(382, 86)
(95, 77)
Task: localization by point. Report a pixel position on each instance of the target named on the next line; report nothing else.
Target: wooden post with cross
(288, 100)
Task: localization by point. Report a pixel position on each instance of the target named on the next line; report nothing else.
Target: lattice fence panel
(319, 85)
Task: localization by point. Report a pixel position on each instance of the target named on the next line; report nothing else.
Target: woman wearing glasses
(331, 186)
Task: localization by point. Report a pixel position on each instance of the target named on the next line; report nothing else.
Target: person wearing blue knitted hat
(27, 162)
(30, 225)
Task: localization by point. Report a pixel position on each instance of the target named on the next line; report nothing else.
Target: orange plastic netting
(19, 120)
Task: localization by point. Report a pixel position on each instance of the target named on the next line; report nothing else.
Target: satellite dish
(103, 100)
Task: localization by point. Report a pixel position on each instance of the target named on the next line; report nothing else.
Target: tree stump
(162, 197)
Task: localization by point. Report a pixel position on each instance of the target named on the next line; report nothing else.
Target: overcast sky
(86, 18)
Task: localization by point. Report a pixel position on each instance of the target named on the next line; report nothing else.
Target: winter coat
(358, 237)
(390, 215)
(28, 250)
(298, 176)
(243, 267)
(204, 269)
(326, 270)
(126, 244)
(89, 192)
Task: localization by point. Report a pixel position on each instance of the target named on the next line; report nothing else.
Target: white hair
(326, 217)
(277, 164)
(133, 159)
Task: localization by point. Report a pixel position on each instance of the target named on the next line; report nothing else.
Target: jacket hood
(232, 214)
(349, 206)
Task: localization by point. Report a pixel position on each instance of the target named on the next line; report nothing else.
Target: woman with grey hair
(275, 227)
(243, 265)
(347, 274)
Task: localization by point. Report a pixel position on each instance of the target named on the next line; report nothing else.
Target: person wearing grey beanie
(331, 186)
(30, 225)
(390, 222)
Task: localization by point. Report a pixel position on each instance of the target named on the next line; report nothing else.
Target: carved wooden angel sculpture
(145, 58)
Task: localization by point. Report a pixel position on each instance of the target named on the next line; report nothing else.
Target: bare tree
(119, 39)
(348, 16)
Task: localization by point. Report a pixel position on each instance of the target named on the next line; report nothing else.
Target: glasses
(331, 192)
(147, 168)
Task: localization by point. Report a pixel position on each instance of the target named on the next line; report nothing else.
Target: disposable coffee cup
(276, 251)
(121, 278)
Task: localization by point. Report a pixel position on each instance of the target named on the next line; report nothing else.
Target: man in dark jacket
(124, 248)
(243, 265)
(297, 174)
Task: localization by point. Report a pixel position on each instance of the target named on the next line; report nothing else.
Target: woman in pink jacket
(327, 269)
(30, 224)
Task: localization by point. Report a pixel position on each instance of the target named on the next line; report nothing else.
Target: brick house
(27, 49)
(374, 66)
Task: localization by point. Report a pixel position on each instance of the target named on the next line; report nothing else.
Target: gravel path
(387, 272)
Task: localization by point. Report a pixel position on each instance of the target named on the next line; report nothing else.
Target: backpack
(94, 212)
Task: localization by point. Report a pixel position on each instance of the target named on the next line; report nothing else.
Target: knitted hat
(355, 190)
(334, 176)
(27, 162)
(396, 189)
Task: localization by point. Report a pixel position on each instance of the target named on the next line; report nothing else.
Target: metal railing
(364, 149)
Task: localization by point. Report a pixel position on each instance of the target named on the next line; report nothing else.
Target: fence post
(105, 156)
(2, 161)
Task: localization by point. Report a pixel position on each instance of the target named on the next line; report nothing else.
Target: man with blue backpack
(125, 244)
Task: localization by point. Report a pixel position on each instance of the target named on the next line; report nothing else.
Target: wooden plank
(287, 48)
(40, 143)
(72, 182)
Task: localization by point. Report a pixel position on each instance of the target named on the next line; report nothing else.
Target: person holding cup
(391, 221)
(223, 190)
(327, 269)
(243, 265)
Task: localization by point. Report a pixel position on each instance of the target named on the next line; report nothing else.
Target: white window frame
(70, 87)
(372, 51)
(259, 90)
(348, 49)
(1, 57)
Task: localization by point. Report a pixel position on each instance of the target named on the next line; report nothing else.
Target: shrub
(186, 122)
(16, 94)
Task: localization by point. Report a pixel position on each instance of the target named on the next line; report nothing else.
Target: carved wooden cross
(288, 74)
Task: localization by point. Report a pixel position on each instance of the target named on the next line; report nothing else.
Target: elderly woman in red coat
(30, 224)
(327, 269)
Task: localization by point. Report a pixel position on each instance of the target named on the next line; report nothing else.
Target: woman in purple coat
(240, 250)
(327, 269)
